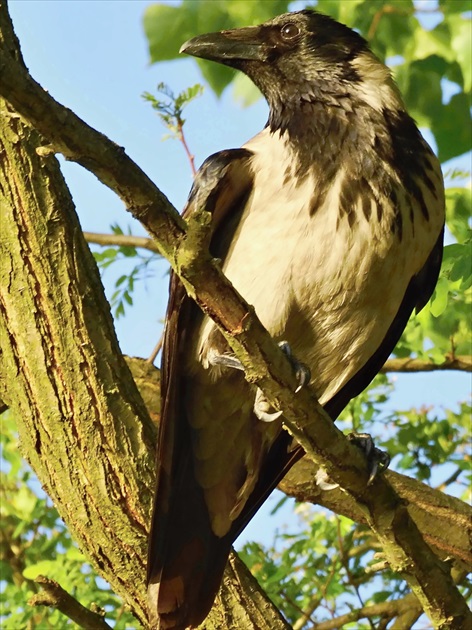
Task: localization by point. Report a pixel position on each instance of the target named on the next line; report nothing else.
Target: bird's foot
(323, 481)
(302, 373)
(377, 460)
(225, 360)
(262, 407)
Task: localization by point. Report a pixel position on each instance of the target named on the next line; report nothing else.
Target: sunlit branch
(121, 240)
(52, 594)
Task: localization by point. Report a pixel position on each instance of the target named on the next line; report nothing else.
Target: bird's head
(303, 56)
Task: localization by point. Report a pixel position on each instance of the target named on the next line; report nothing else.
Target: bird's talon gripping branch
(225, 360)
(323, 481)
(378, 461)
(261, 404)
(262, 407)
(302, 371)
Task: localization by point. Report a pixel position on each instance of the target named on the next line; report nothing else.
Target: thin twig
(157, 349)
(345, 563)
(316, 601)
(462, 363)
(388, 8)
(451, 479)
(385, 609)
(190, 156)
(121, 240)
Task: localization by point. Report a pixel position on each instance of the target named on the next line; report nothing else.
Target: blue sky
(92, 57)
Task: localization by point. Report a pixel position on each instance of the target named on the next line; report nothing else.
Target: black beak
(229, 46)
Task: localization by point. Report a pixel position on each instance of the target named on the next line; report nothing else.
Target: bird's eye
(289, 31)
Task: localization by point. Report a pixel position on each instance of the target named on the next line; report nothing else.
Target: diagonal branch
(383, 610)
(445, 521)
(265, 363)
(54, 595)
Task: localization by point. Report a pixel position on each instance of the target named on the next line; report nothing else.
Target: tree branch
(463, 363)
(83, 426)
(265, 363)
(444, 521)
(121, 240)
(387, 610)
(54, 595)
(249, 605)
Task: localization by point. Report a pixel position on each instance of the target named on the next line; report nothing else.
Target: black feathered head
(303, 56)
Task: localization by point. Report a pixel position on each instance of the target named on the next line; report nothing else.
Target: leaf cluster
(431, 63)
(317, 572)
(141, 269)
(170, 111)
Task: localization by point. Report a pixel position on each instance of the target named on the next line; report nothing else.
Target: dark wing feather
(184, 555)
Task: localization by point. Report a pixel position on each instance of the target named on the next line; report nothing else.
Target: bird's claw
(262, 407)
(261, 404)
(323, 482)
(225, 360)
(302, 371)
(377, 460)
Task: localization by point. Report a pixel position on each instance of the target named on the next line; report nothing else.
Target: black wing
(185, 559)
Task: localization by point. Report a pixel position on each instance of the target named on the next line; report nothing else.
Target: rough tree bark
(83, 424)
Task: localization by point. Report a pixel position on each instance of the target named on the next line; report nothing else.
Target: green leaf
(216, 75)
(74, 553)
(45, 567)
(461, 43)
(244, 90)
(425, 43)
(440, 297)
(381, 596)
(452, 127)
(420, 83)
(454, 6)
(461, 269)
(116, 229)
(458, 211)
(168, 27)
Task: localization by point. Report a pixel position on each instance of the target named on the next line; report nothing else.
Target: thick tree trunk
(82, 423)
